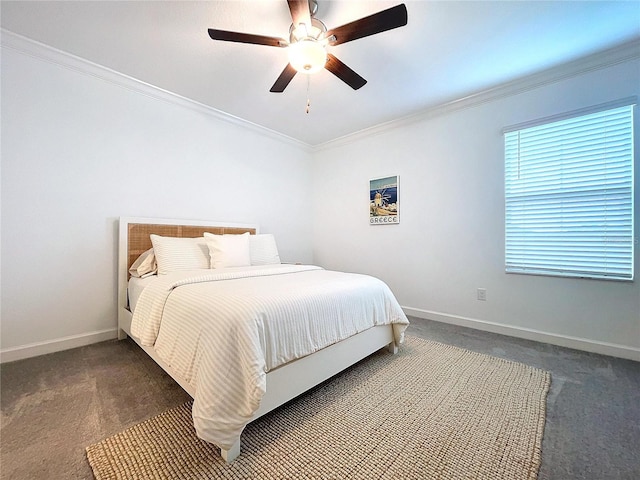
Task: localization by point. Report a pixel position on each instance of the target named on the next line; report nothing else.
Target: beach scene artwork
(384, 205)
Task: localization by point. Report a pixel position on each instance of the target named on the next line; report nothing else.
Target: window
(569, 195)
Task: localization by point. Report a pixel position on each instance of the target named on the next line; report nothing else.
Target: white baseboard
(57, 345)
(604, 348)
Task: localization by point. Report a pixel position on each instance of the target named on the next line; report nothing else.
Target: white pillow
(228, 250)
(263, 249)
(144, 265)
(173, 253)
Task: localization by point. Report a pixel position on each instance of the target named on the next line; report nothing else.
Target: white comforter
(223, 329)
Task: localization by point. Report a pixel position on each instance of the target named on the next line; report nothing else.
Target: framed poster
(384, 201)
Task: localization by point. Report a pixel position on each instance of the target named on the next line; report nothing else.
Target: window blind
(569, 196)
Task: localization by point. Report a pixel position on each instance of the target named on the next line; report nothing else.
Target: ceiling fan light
(307, 56)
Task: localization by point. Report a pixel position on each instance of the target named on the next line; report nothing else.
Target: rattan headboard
(133, 239)
(138, 240)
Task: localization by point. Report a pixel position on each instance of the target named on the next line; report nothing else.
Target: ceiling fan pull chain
(308, 94)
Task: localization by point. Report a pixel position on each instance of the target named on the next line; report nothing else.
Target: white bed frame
(283, 383)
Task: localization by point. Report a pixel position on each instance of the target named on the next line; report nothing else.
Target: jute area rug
(431, 412)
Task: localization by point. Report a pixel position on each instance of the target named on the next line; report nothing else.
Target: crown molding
(41, 51)
(620, 54)
(607, 58)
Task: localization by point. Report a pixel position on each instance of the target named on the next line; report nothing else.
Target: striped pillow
(263, 249)
(144, 265)
(173, 254)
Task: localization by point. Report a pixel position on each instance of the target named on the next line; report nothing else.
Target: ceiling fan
(309, 38)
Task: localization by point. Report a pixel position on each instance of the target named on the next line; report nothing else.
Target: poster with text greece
(384, 204)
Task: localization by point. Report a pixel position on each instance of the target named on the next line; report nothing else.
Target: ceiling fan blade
(283, 80)
(344, 73)
(246, 38)
(388, 19)
(300, 12)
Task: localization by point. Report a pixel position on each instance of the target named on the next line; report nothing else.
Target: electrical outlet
(482, 294)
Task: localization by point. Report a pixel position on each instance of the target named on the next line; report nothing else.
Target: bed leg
(231, 454)
(392, 348)
(121, 334)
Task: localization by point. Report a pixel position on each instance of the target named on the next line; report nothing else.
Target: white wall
(451, 237)
(78, 152)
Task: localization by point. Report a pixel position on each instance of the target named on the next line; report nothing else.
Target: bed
(219, 332)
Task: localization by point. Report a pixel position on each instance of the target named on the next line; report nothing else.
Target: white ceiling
(448, 50)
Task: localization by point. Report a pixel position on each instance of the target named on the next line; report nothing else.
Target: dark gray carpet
(55, 405)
